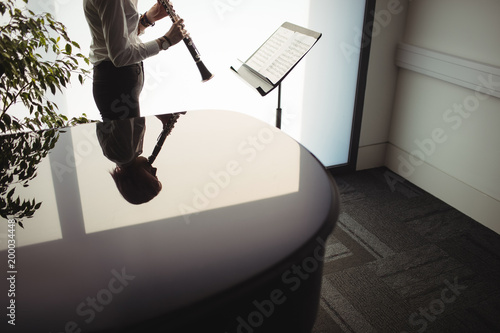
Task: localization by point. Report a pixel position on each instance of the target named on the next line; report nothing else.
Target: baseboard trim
(454, 192)
(372, 156)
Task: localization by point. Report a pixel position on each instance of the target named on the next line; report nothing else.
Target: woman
(117, 52)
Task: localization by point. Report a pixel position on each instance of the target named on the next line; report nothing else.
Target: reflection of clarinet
(205, 73)
(159, 144)
(163, 135)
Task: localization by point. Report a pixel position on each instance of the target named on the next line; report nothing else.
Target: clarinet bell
(205, 73)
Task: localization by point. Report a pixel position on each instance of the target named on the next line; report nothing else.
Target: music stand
(274, 60)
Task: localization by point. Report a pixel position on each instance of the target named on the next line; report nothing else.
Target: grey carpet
(400, 260)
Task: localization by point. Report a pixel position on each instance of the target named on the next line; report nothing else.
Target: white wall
(437, 140)
(388, 31)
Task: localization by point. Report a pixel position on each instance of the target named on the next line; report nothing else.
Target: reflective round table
(224, 231)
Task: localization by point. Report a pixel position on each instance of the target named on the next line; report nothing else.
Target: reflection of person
(121, 142)
(117, 52)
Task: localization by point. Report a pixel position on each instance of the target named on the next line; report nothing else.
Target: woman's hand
(176, 32)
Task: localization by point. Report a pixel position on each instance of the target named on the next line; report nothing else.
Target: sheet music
(280, 53)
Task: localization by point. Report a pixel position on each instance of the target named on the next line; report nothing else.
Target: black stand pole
(279, 110)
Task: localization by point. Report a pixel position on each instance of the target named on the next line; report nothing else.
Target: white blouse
(113, 25)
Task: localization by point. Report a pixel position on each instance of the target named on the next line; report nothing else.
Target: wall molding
(470, 201)
(462, 72)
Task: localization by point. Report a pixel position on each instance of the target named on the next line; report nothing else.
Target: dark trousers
(116, 90)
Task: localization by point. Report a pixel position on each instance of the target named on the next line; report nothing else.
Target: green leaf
(27, 71)
(52, 88)
(6, 119)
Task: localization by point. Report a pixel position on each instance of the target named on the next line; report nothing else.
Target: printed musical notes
(275, 59)
(280, 53)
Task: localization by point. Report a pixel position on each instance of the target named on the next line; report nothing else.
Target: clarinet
(205, 73)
